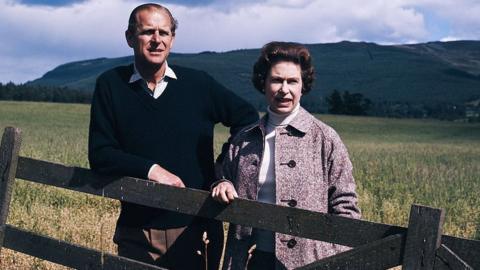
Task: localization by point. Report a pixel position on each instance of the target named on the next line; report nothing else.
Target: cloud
(44, 36)
(54, 35)
(79, 29)
(449, 38)
(49, 2)
(461, 16)
(207, 28)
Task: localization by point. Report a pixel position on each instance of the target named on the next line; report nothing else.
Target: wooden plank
(9, 149)
(112, 262)
(67, 254)
(441, 265)
(287, 220)
(423, 237)
(381, 254)
(292, 221)
(468, 250)
(446, 259)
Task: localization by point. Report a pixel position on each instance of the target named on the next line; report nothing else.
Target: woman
(288, 158)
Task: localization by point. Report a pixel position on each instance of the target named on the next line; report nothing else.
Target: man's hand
(162, 176)
(224, 192)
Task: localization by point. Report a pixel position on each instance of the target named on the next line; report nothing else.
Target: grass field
(396, 163)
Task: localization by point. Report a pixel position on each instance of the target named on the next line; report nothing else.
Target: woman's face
(283, 87)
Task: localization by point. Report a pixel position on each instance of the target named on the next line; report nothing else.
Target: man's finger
(179, 182)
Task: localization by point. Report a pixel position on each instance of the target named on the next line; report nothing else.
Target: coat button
(291, 243)
(292, 164)
(292, 203)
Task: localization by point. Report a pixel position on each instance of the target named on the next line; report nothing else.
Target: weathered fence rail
(377, 246)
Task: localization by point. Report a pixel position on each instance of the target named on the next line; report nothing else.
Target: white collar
(136, 75)
(276, 119)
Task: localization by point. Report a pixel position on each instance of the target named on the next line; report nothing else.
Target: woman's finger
(231, 194)
(215, 193)
(224, 197)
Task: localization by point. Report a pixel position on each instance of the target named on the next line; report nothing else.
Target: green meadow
(397, 162)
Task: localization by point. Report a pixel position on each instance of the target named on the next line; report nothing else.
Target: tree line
(338, 102)
(349, 104)
(346, 103)
(26, 92)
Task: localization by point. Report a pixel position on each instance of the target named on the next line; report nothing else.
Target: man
(150, 120)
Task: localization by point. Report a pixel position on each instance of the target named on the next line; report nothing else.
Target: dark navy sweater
(130, 131)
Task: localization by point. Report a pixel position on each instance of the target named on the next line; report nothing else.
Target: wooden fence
(376, 246)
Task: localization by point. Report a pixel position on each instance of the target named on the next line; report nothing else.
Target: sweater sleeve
(104, 151)
(230, 110)
(342, 197)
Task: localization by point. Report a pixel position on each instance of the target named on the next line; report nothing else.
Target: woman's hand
(224, 192)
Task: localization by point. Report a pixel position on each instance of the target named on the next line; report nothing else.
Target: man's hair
(132, 20)
(275, 52)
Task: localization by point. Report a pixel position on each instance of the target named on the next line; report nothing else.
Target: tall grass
(396, 163)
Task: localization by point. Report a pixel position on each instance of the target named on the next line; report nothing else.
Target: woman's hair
(275, 52)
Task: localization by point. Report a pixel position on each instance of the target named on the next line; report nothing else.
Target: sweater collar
(300, 122)
(276, 119)
(136, 75)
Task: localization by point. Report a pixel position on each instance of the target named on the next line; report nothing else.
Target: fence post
(423, 237)
(9, 150)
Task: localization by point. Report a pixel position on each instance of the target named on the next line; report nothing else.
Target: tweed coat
(313, 172)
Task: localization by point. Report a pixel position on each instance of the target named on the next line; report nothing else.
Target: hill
(427, 73)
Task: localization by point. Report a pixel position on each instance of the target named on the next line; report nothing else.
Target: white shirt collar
(136, 75)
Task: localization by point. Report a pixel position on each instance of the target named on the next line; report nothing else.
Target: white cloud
(79, 28)
(43, 37)
(460, 15)
(449, 38)
(206, 28)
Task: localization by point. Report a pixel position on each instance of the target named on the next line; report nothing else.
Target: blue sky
(39, 35)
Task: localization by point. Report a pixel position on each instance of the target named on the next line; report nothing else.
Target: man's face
(153, 39)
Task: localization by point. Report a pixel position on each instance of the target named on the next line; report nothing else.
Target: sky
(37, 36)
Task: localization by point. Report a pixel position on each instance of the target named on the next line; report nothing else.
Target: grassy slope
(396, 163)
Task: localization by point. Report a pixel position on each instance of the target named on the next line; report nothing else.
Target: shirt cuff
(151, 169)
